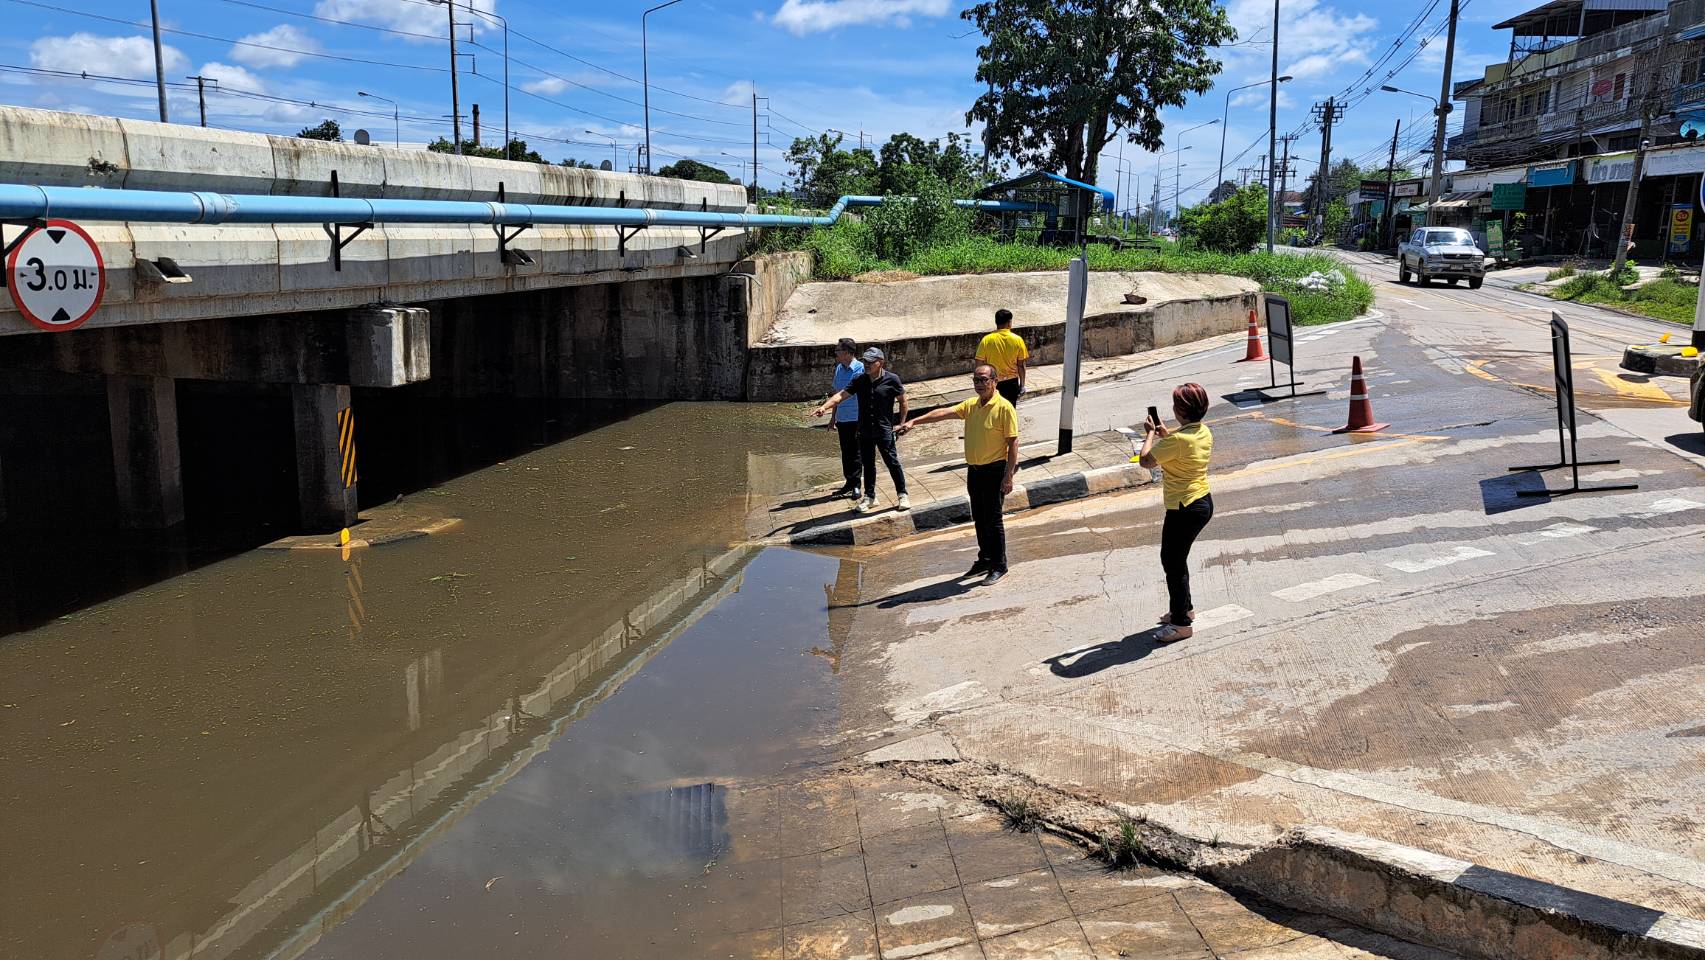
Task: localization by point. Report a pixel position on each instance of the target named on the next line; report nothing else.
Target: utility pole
(1272, 121)
(1327, 114)
(1443, 109)
(1649, 108)
(159, 61)
(201, 95)
(476, 125)
(754, 190)
(455, 94)
(1386, 222)
(1284, 175)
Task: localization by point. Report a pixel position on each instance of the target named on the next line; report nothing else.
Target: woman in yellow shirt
(1182, 455)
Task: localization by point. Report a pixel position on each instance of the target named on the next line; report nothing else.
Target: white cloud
(739, 93)
(801, 17)
(125, 56)
(410, 16)
(1258, 97)
(545, 86)
(1309, 29)
(235, 78)
(283, 36)
(1318, 65)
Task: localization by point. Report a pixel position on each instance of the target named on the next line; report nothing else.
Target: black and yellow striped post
(326, 472)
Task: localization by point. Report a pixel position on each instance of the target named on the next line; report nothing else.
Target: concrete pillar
(142, 413)
(325, 455)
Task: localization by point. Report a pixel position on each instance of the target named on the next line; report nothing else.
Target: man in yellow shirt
(991, 455)
(1006, 352)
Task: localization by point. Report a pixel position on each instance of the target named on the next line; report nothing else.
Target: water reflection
(236, 759)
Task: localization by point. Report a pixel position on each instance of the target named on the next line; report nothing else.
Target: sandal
(1172, 634)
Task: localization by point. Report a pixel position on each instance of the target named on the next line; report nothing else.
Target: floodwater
(523, 732)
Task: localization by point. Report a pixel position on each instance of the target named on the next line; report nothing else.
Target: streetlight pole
(396, 122)
(645, 74)
(1225, 121)
(740, 160)
(1175, 165)
(159, 60)
(1439, 111)
(1154, 213)
(614, 161)
(1272, 124)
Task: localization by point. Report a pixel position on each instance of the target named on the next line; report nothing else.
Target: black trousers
(880, 442)
(847, 430)
(1009, 390)
(1177, 535)
(983, 487)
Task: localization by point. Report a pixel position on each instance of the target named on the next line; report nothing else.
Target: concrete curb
(1400, 891)
(1662, 361)
(892, 524)
(1454, 904)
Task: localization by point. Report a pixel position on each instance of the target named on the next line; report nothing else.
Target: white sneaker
(904, 503)
(865, 504)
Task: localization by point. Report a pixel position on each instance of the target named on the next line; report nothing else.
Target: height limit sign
(56, 276)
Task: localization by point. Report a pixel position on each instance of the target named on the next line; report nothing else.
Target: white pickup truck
(1449, 253)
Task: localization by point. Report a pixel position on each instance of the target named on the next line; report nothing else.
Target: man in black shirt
(877, 390)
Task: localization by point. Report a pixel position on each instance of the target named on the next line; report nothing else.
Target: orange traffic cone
(1255, 351)
(1361, 411)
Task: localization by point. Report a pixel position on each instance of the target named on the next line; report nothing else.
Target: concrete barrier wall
(774, 277)
(800, 371)
(248, 270)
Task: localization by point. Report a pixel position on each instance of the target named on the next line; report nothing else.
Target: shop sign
(1551, 174)
(1408, 188)
(1680, 227)
(1668, 163)
(1612, 169)
(1509, 196)
(1373, 188)
(1495, 238)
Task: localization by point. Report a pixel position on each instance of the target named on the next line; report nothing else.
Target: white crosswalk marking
(1559, 531)
(1220, 616)
(1439, 560)
(1315, 588)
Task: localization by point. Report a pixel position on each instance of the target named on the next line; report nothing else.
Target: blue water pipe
(30, 202)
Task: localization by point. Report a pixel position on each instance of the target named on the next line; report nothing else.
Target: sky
(862, 67)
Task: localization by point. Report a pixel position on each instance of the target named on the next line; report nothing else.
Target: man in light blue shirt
(847, 366)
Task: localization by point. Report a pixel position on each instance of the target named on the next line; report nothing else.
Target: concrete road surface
(1392, 641)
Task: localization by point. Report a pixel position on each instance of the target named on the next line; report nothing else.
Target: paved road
(1393, 642)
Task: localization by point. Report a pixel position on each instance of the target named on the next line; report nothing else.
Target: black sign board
(1568, 455)
(1280, 347)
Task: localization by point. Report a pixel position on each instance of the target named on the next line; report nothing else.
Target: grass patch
(1662, 299)
(1561, 273)
(1020, 813)
(844, 252)
(1123, 847)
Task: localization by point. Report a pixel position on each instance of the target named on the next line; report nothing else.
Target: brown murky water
(281, 747)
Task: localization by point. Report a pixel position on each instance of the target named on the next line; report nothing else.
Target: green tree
(1064, 77)
(1222, 192)
(825, 172)
(518, 150)
(687, 169)
(1231, 226)
(571, 162)
(1337, 214)
(923, 217)
(325, 130)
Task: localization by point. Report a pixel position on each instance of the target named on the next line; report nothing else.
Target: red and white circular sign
(56, 276)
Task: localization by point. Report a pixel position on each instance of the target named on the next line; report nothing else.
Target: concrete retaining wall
(247, 270)
(797, 371)
(774, 278)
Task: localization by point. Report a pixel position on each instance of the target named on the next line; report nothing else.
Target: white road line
(1409, 302)
(1666, 505)
(1559, 531)
(1439, 560)
(1315, 588)
(1220, 616)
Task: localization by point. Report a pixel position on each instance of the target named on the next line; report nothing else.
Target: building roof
(1562, 18)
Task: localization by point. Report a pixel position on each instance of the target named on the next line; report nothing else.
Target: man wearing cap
(991, 455)
(847, 366)
(877, 390)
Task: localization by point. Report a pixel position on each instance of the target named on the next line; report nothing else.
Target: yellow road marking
(1635, 391)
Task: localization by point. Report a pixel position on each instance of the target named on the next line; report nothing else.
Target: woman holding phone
(1182, 456)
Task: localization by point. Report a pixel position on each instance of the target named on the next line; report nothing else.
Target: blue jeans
(880, 441)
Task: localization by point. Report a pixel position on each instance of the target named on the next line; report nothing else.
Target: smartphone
(1154, 416)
